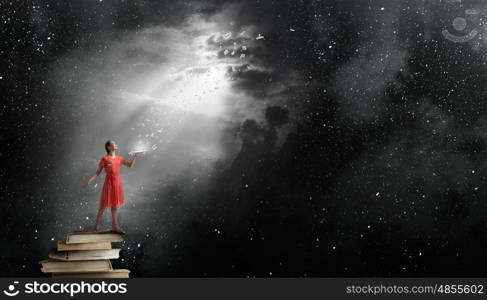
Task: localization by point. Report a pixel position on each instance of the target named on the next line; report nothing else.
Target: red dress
(112, 192)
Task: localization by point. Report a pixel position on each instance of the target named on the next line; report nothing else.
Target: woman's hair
(107, 144)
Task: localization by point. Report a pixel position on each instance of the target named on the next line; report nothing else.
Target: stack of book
(85, 254)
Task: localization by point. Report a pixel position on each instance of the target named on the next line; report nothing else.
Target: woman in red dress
(112, 193)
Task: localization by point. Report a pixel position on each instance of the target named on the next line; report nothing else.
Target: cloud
(423, 182)
(379, 57)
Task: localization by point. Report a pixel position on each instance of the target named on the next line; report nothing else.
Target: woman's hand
(93, 177)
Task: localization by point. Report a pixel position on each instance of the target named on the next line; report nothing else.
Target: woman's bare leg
(101, 210)
(115, 225)
(114, 216)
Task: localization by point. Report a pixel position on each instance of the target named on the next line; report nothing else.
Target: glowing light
(194, 81)
(140, 146)
(199, 90)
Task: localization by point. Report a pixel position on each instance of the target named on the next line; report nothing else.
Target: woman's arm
(131, 163)
(93, 177)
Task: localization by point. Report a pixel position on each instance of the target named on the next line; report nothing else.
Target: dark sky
(285, 138)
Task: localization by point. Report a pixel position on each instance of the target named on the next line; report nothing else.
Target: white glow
(193, 79)
(190, 94)
(140, 146)
(200, 90)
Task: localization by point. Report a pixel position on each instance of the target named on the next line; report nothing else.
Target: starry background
(348, 140)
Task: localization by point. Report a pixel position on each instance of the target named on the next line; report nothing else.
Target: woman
(112, 193)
